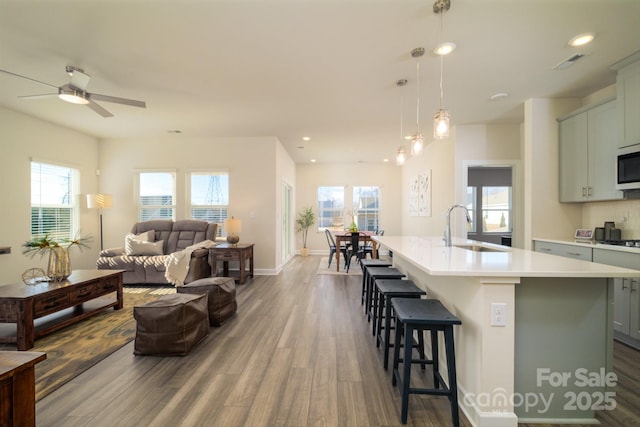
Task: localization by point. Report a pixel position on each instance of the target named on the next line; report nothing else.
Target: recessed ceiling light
(444, 48)
(313, 160)
(499, 96)
(306, 138)
(582, 39)
(385, 160)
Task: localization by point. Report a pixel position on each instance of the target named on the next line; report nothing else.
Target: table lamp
(232, 227)
(99, 201)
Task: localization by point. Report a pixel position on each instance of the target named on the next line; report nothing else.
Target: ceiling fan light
(72, 96)
(441, 124)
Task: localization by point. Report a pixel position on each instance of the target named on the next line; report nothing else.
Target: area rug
(353, 271)
(76, 348)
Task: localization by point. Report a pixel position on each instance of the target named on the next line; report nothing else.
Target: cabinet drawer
(227, 256)
(106, 286)
(617, 258)
(568, 251)
(83, 293)
(49, 304)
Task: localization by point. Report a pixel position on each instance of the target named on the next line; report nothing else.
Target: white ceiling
(322, 68)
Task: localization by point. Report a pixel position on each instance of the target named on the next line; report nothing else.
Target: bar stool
(388, 289)
(424, 315)
(376, 273)
(373, 263)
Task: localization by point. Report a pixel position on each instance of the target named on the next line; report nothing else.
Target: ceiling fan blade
(28, 78)
(40, 96)
(98, 109)
(115, 99)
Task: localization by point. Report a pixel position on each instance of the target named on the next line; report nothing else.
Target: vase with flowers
(59, 266)
(353, 213)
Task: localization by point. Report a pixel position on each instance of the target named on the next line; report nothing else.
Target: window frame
(137, 195)
(190, 206)
(362, 215)
(73, 177)
(333, 227)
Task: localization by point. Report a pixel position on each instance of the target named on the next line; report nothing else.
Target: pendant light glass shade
(401, 156)
(441, 124)
(417, 140)
(417, 143)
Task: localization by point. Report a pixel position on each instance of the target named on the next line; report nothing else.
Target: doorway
(287, 224)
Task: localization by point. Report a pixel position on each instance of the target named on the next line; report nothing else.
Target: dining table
(345, 236)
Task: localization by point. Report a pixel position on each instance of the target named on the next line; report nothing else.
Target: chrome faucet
(447, 231)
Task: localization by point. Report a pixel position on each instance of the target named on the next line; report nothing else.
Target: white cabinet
(626, 309)
(568, 251)
(588, 152)
(628, 98)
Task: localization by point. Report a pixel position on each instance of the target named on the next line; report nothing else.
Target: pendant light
(401, 154)
(441, 118)
(417, 140)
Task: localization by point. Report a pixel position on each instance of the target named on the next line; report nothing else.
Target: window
(489, 201)
(366, 201)
(53, 209)
(209, 199)
(156, 195)
(330, 208)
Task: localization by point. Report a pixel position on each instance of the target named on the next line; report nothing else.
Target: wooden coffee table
(22, 304)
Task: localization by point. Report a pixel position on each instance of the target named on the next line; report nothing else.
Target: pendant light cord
(441, 61)
(417, 95)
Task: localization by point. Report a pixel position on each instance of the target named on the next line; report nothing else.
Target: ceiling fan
(76, 92)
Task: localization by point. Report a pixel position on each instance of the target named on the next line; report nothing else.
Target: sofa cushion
(146, 248)
(147, 236)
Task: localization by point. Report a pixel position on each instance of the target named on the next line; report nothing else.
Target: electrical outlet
(498, 314)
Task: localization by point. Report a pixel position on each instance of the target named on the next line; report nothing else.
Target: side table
(225, 252)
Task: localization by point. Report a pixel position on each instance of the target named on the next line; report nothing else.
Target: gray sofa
(176, 236)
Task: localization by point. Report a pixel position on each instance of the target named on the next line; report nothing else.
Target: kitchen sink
(479, 248)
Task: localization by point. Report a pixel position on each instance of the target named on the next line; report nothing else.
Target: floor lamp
(99, 201)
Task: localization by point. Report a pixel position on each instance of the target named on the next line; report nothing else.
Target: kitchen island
(535, 344)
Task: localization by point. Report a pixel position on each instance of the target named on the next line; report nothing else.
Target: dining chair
(367, 248)
(353, 250)
(332, 247)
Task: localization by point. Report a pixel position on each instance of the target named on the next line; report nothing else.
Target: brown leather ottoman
(222, 296)
(171, 325)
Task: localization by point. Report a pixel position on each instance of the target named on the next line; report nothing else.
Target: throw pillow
(147, 236)
(146, 248)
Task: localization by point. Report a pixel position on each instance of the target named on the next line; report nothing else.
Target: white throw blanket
(177, 263)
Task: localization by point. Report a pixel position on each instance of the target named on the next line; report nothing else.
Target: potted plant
(306, 218)
(59, 266)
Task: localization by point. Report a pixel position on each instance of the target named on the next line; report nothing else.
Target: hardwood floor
(299, 352)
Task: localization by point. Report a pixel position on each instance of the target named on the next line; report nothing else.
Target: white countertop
(431, 255)
(590, 244)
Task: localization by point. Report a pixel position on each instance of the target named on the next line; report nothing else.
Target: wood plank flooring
(299, 352)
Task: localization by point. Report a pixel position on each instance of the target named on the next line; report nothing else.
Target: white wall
(467, 145)
(439, 157)
(23, 138)
(253, 181)
(491, 145)
(310, 176)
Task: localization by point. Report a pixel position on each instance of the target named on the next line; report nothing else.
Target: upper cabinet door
(603, 137)
(628, 95)
(574, 179)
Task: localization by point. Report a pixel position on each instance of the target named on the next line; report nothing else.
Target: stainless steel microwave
(628, 168)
